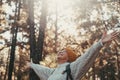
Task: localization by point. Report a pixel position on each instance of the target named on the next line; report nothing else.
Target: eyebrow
(62, 49)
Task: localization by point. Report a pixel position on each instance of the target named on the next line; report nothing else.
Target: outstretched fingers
(114, 35)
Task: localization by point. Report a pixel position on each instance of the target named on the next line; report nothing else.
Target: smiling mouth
(58, 57)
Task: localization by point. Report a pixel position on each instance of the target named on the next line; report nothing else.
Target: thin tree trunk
(93, 70)
(19, 72)
(0, 2)
(13, 46)
(6, 66)
(0, 6)
(56, 29)
(117, 55)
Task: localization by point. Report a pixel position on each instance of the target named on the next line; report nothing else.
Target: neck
(61, 61)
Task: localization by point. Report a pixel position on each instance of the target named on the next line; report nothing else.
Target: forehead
(62, 50)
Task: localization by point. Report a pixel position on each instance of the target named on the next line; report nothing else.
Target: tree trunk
(93, 71)
(6, 66)
(32, 30)
(56, 29)
(117, 57)
(41, 31)
(32, 74)
(0, 2)
(36, 49)
(13, 46)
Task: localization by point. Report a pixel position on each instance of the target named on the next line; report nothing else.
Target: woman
(78, 66)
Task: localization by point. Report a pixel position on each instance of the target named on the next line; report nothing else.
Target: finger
(115, 36)
(114, 32)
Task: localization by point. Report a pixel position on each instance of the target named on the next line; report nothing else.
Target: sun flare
(63, 13)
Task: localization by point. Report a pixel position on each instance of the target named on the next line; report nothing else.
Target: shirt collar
(64, 64)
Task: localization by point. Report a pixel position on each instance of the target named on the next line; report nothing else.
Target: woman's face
(62, 55)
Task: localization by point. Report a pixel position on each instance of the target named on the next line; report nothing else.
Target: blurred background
(35, 30)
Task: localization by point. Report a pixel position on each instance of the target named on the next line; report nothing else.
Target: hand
(109, 37)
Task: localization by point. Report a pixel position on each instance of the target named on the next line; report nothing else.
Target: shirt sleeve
(42, 71)
(83, 63)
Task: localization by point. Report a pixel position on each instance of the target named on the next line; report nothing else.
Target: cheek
(66, 56)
